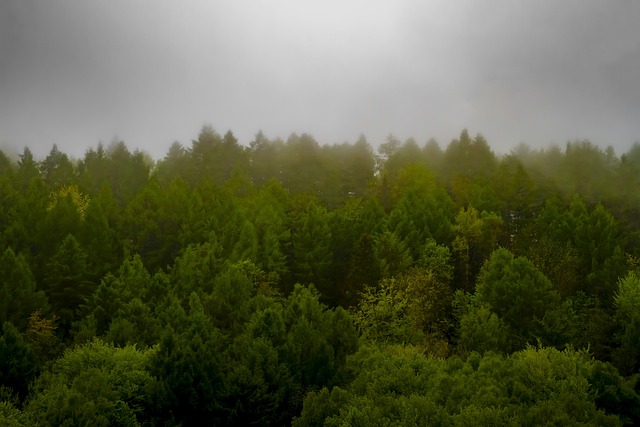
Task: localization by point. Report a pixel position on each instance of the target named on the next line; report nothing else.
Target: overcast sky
(150, 72)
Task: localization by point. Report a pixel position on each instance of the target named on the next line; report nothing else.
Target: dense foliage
(289, 282)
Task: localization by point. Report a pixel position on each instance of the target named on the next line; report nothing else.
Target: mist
(76, 73)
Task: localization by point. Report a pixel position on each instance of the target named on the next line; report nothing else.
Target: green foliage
(230, 302)
(94, 384)
(188, 366)
(627, 316)
(99, 233)
(10, 416)
(416, 193)
(559, 261)
(407, 309)
(318, 340)
(482, 330)
(18, 364)
(311, 247)
(515, 290)
(268, 220)
(467, 158)
(135, 324)
(224, 273)
(561, 325)
(257, 385)
(381, 317)
(18, 295)
(66, 277)
(399, 386)
(363, 270)
(195, 269)
(437, 259)
(476, 236)
(392, 254)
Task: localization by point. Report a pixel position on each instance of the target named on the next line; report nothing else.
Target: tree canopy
(288, 282)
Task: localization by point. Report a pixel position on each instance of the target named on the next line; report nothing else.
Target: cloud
(74, 72)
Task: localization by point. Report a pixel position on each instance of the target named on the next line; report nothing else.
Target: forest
(289, 282)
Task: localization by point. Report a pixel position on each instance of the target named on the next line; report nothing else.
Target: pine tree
(66, 279)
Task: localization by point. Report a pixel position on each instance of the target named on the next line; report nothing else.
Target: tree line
(289, 282)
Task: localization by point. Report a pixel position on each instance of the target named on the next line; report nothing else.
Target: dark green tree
(100, 233)
(188, 365)
(56, 169)
(627, 316)
(18, 295)
(18, 364)
(66, 281)
(515, 290)
(94, 384)
(311, 247)
(27, 170)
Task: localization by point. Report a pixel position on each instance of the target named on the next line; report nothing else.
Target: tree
(94, 384)
(229, 304)
(6, 165)
(18, 364)
(363, 270)
(400, 157)
(516, 190)
(358, 168)
(392, 254)
(381, 316)
(480, 329)
(597, 242)
(93, 170)
(65, 212)
(127, 172)
(302, 165)
(311, 246)
(627, 315)
(413, 307)
(258, 387)
(188, 365)
(469, 159)
(267, 216)
(134, 324)
(352, 247)
(10, 416)
(437, 260)
(174, 165)
(67, 284)
(587, 170)
(398, 385)
(100, 233)
(476, 236)
(432, 154)
(56, 170)
(18, 295)
(25, 220)
(142, 222)
(265, 159)
(388, 148)
(515, 290)
(216, 157)
(318, 340)
(27, 170)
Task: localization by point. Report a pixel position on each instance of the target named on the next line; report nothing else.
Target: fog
(77, 72)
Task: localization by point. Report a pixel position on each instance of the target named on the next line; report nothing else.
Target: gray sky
(150, 72)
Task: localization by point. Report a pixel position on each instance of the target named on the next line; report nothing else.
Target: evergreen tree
(311, 245)
(56, 169)
(18, 364)
(66, 280)
(515, 290)
(18, 295)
